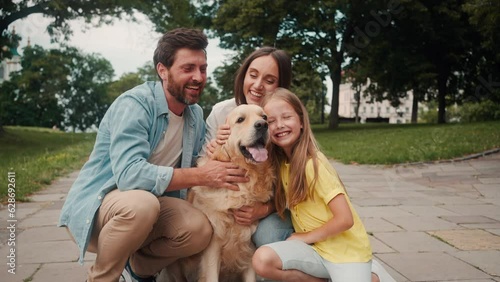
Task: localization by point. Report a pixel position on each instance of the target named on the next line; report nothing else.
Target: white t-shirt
(169, 150)
(216, 118)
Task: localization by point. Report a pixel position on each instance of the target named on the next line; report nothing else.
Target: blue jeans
(273, 229)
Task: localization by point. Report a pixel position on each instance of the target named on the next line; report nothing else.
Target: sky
(127, 45)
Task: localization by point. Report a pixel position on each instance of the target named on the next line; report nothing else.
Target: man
(124, 205)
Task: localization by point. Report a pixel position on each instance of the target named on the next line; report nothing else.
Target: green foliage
(126, 82)
(58, 87)
(484, 15)
(62, 11)
(482, 111)
(38, 156)
(209, 98)
(310, 31)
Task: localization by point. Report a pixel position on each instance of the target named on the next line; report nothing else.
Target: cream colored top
(172, 139)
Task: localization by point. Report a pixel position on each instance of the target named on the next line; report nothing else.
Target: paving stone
(488, 210)
(375, 201)
(61, 272)
(489, 180)
(23, 212)
(384, 212)
(396, 194)
(494, 231)
(469, 240)
(481, 225)
(392, 201)
(468, 219)
(47, 197)
(488, 190)
(488, 261)
(432, 266)
(379, 247)
(422, 223)
(456, 200)
(396, 275)
(42, 218)
(414, 242)
(379, 225)
(43, 234)
(418, 201)
(43, 252)
(23, 272)
(427, 211)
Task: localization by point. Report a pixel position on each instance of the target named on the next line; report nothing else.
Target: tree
(165, 14)
(482, 82)
(428, 49)
(60, 87)
(126, 82)
(318, 32)
(245, 26)
(86, 100)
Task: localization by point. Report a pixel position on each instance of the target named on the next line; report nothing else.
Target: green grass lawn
(37, 156)
(406, 143)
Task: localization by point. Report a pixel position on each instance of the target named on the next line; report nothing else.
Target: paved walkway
(429, 222)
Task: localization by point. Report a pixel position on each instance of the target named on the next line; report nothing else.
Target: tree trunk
(442, 79)
(23, 13)
(357, 98)
(334, 113)
(414, 106)
(323, 107)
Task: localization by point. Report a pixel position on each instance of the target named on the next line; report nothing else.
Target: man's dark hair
(176, 39)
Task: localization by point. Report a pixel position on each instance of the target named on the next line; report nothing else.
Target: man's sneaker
(129, 276)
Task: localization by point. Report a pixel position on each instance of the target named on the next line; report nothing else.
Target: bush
(482, 111)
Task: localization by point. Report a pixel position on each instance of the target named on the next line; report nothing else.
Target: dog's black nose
(260, 125)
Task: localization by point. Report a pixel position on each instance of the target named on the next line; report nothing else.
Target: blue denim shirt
(129, 132)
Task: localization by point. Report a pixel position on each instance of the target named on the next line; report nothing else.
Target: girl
(330, 240)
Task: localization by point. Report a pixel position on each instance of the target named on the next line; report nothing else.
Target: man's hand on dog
(224, 174)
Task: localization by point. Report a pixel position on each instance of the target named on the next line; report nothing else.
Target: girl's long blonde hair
(304, 149)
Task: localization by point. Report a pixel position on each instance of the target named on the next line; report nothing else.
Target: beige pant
(153, 232)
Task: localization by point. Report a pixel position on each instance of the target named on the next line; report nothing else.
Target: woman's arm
(247, 215)
(341, 221)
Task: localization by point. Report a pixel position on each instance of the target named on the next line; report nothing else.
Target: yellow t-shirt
(351, 245)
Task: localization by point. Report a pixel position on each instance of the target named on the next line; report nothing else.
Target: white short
(298, 255)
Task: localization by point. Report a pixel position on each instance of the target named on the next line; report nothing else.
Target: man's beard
(177, 91)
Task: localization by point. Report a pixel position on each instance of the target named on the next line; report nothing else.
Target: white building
(367, 110)
(9, 65)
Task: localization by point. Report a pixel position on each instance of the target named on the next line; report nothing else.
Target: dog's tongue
(259, 154)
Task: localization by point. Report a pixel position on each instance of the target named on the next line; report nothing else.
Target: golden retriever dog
(228, 256)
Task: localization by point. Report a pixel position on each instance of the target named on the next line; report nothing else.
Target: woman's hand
(247, 215)
(222, 136)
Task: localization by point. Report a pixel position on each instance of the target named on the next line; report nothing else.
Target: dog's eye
(264, 117)
(240, 120)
